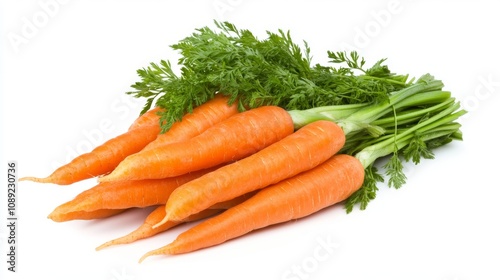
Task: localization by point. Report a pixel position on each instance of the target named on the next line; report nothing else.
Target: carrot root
(232, 139)
(294, 198)
(304, 149)
(36, 179)
(146, 230)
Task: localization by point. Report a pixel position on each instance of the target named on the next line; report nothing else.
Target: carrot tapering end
(129, 238)
(36, 179)
(54, 216)
(58, 214)
(159, 251)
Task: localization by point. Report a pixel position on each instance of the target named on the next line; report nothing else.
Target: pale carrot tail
(103, 159)
(36, 179)
(157, 252)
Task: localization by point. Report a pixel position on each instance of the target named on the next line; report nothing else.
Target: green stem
(412, 115)
(357, 117)
(369, 154)
(399, 80)
(362, 117)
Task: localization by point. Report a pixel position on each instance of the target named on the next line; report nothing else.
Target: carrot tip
(35, 179)
(117, 241)
(151, 253)
(104, 245)
(53, 217)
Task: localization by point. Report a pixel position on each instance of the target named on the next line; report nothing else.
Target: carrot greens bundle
(378, 110)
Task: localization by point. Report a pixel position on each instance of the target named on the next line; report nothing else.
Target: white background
(65, 68)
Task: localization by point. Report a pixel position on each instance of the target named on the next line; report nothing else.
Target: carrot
(329, 183)
(146, 229)
(102, 159)
(300, 151)
(234, 138)
(87, 215)
(124, 194)
(194, 123)
(151, 117)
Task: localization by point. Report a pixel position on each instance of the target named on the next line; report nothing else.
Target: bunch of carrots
(245, 169)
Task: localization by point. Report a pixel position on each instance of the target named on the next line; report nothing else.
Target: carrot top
(374, 106)
(271, 71)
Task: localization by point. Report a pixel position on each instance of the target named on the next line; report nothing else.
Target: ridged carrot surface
(151, 117)
(298, 152)
(302, 195)
(232, 139)
(124, 194)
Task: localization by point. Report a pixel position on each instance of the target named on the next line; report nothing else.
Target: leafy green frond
(367, 192)
(416, 149)
(381, 113)
(394, 170)
(270, 71)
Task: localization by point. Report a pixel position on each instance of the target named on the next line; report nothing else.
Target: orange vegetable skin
(146, 229)
(192, 124)
(123, 195)
(232, 139)
(102, 159)
(300, 151)
(302, 195)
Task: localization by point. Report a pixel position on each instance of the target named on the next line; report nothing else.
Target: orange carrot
(144, 130)
(102, 159)
(91, 164)
(146, 229)
(300, 151)
(124, 194)
(329, 183)
(151, 117)
(234, 138)
(86, 215)
(194, 123)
